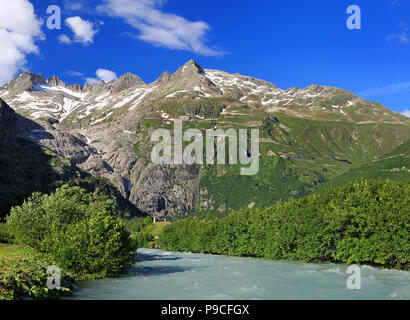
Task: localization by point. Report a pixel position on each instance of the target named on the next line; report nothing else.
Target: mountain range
(309, 138)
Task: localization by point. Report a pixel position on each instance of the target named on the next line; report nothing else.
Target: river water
(161, 275)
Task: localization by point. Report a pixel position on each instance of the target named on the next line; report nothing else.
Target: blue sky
(290, 43)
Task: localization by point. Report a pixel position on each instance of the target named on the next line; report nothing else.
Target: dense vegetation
(362, 222)
(79, 230)
(139, 229)
(23, 272)
(4, 234)
(71, 228)
(144, 232)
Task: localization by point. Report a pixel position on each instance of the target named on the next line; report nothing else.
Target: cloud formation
(160, 28)
(102, 74)
(382, 91)
(402, 37)
(73, 73)
(70, 5)
(406, 113)
(83, 30)
(20, 28)
(64, 39)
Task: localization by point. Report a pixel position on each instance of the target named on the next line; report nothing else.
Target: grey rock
(126, 81)
(55, 81)
(25, 82)
(75, 87)
(163, 78)
(162, 191)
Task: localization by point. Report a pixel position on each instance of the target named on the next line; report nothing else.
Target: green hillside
(297, 155)
(394, 165)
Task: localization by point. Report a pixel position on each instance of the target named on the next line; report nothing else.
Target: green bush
(143, 239)
(25, 275)
(140, 229)
(362, 222)
(137, 224)
(4, 234)
(32, 222)
(77, 229)
(97, 247)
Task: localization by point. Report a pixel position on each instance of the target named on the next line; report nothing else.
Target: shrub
(97, 247)
(362, 222)
(143, 239)
(31, 222)
(137, 224)
(4, 234)
(77, 229)
(25, 275)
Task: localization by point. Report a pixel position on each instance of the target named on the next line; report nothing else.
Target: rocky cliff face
(307, 135)
(164, 191)
(27, 166)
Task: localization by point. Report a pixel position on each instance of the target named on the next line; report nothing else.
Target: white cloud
(106, 75)
(159, 28)
(73, 5)
(102, 74)
(406, 113)
(391, 89)
(401, 37)
(74, 73)
(64, 39)
(83, 30)
(20, 28)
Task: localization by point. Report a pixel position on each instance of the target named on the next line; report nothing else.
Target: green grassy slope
(297, 155)
(394, 165)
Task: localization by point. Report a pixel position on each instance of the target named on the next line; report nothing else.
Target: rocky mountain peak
(314, 88)
(190, 77)
(75, 87)
(163, 78)
(96, 87)
(126, 81)
(191, 66)
(25, 82)
(55, 81)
